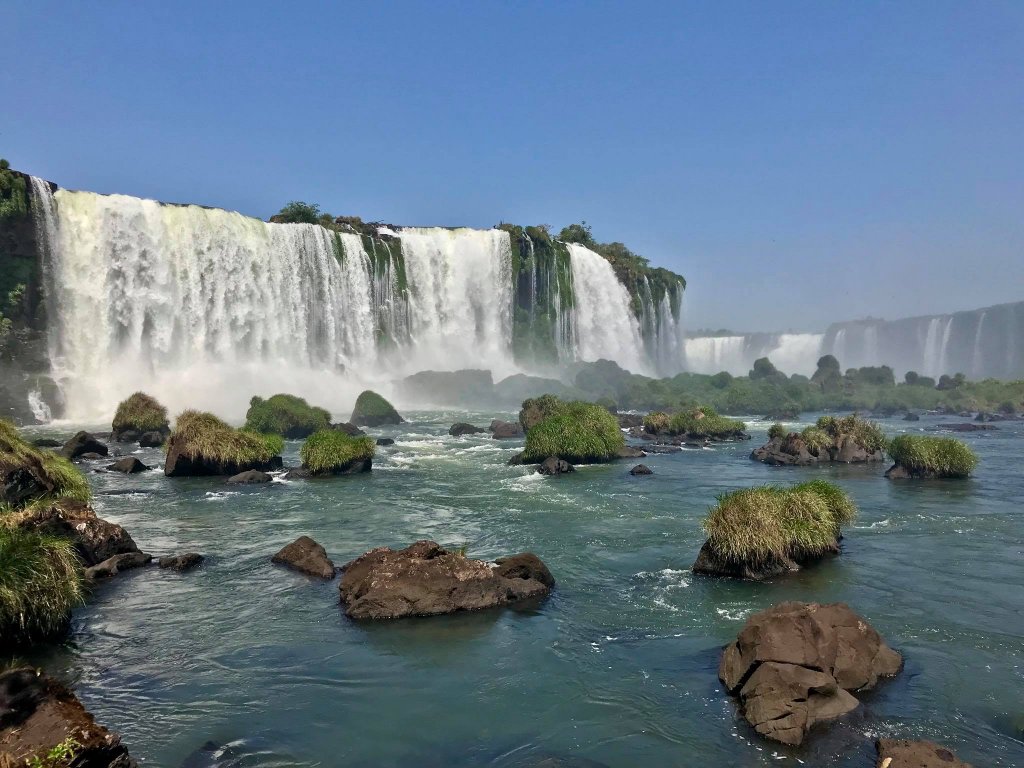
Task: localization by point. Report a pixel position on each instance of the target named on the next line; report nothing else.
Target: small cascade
(38, 406)
(977, 370)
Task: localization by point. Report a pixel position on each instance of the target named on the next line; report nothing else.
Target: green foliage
(370, 405)
(13, 194)
(878, 376)
(777, 430)
(330, 450)
(766, 525)
(581, 433)
(580, 234)
(286, 415)
(656, 423)
(202, 434)
(866, 433)
(943, 456)
(142, 412)
(816, 439)
(703, 422)
(947, 382)
(536, 409)
(764, 369)
(61, 755)
(40, 582)
(297, 212)
(60, 474)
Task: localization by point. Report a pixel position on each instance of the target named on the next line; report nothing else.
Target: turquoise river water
(242, 663)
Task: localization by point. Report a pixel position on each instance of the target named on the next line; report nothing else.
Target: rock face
(915, 754)
(37, 713)
(641, 469)
(505, 430)
(95, 539)
(792, 450)
(553, 465)
(250, 477)
(425, 579)
(178, 464)
(181, 563)
(82, 443)
(307, 556)
(795, 664)
(129, 465)
(462, 428)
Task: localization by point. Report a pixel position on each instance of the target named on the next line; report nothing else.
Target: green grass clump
(762, 526)
(536, 409)
(286, 415)
(656, 422)
(943, 456)
(141, 412)
(704, 422)
(372, 409)
(866, 433)
(777, 430)
(331, 449)
(40, 582)
(580, 433)
(203, 435)
(54, 470)
(816, 438)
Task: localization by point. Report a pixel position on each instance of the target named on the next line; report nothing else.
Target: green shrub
(286, 415)
(536, 409)
(769, 524)
(777, 431)
(704, 422)
(56, 471)
(580, 433)
(371, 410)
(866, 433)
(203, 435)
(656, 423)
(330, 449)
(40, 582)
(141, 412)
(298, 212)
(943, 456)
(816, 438)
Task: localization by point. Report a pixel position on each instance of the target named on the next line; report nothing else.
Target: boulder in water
(348, 428)
(39, 714)
(250, 477)
(796, 664)
(137, 416)
(286, 415)
(899, 753)
(202, 444)
(911, 416)
(462, 428)
(95, 539)
(116, 564)
(630, 452)
(536, 409)
(848, 440)
(424, 579)
(641, 469)
(332, 452)
(83, 443)
(181, 563)
(553, 465)
(152, 439)
(129, 465)
(505, 430)
(372, 410)
(385, 441)
(306, 556)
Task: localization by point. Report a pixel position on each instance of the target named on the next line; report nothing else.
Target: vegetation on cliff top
(286, 415)
(581, 433)
(943, 456)
(13, 194)
(331, 450)
(203, 435)
(53, 471)
(767, 525)
(142, 412)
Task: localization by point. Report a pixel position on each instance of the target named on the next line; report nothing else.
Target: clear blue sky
(798, 162)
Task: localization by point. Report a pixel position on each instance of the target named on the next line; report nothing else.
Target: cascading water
(789, 352)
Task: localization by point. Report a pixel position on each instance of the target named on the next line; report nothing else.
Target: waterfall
(40, 410)
(976, 351)
(711, 354)
(604, 325)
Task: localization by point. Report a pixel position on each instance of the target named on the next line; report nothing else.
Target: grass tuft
(40, 582)
(285, 415)
(142, 412)
(203, 435)
(943, 456)
(704, 422)
(54, 470)
(866, 433)
(777, 430)
(577, 432)
(330, 449)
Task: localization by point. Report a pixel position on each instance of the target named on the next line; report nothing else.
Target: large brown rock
(37, 713)
(916, 754)
(305, 555)
(793, 450)
(96, 539)
(179, 464)
(505, 430)
(794, 664)
(425, 579)
(82, 443)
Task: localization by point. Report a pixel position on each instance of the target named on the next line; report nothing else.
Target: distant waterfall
(789, 352)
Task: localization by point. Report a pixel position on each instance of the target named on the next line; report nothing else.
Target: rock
(46, 442)
(505, 430)
(348, 428)
(462, 428)
(899, 472)
(179, 464)
(662, 448)
(181, 563)
(710, 563)
(83, 443)
(915, 754)
(518, 459)
(127, 436)
(965, 427)
(535, 410)
(372, 410)
(795, 664)
(92, 456)
(95, 539)
(630, 420)
(385, 441)
(911, 416)
(129, 465)
(37, 713)
(250, 477)
(553, 465)
(641, 469)
(307, 556)
(631, 452)
(152, 439)
(114, 565)
(425, 579)
(793, 450)
(299, 473)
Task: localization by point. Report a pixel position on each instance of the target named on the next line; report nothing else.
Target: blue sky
(798, 162)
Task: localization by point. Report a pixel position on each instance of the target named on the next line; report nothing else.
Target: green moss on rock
(142, 413)
(202, 444)
(285, 415)
(931, 456)
(29, 475)
(332, 451)
(580, 433)
(372, 410)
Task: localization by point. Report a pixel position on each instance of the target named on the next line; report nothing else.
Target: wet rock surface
(641, 469)
(462, 428)
(83, 443)
(424, 579)
(796, 664)
(915, 754)
(95, 539)
(505, 430)
(793, 450)
(250, 477)
(181, 563)
(129, 465)
(553, 465)
(116, 564)
(306, 556)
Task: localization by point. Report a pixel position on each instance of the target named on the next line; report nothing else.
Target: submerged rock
(129, 465)
(424, 579)
(385, 441)
(505, 430)
(305, 555)
(911, 416)
(114, 565)
(796, 664)
(37, 714)
(641, 469)
(553, 465)
(348, 428)
(181, 563)
(83, 443)
(965, 427)
(250, 477)
(631, 452)
(915, 754)
(462, 428)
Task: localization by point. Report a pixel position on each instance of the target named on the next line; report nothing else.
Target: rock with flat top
(306, 556)
(915, 754)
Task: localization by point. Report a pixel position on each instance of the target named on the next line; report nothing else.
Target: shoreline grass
(942, 456)
(55, 470)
